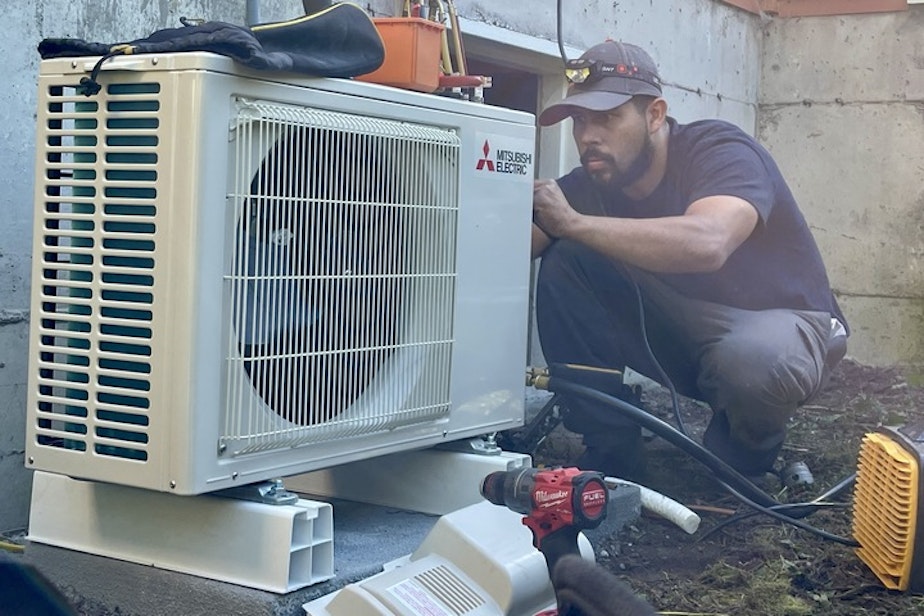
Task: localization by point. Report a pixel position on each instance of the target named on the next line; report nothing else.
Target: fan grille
(342, 281)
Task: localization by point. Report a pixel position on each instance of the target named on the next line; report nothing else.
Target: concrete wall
(109, 21)
(708, 51)
(842, 109)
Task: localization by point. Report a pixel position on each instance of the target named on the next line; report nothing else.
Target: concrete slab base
(366, 537)
(100, 586)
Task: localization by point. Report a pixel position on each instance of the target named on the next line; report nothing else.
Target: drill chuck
(511, 489)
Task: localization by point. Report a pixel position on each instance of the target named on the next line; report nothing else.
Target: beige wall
(842, 110)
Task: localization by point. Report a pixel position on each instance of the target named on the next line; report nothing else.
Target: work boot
(767, 481)
(746, 460)
(619, 453)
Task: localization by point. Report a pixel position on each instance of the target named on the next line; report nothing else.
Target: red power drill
(557, 503)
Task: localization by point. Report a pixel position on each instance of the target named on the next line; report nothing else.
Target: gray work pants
(753, 367)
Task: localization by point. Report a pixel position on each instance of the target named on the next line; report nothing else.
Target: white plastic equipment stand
(278, 548)
(434, 481)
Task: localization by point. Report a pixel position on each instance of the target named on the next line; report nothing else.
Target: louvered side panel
(102, 279)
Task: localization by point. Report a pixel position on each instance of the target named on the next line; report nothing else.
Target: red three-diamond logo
(485, 161)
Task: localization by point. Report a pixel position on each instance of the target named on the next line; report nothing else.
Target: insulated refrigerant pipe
(666, 431)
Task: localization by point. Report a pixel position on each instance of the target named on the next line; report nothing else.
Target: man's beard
(619, 179)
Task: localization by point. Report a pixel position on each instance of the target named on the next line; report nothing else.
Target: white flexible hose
(661, 505)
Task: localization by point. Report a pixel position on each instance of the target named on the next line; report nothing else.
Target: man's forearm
(673, 244)
(701, 240)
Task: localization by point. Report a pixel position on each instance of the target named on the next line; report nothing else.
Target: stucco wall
(842, 109)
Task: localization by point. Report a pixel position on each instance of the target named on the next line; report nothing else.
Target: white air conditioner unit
(242, 275)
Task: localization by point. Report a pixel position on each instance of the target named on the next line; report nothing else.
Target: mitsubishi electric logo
(505, 158)
(484, 161)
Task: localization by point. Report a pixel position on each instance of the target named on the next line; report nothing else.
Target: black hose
(719, 467)
(737, 484)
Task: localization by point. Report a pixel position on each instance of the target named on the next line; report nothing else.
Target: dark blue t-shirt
(778, 266)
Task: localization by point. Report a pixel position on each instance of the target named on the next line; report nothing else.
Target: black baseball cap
(612, 73)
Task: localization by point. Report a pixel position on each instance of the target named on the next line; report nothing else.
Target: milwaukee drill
(557, 504)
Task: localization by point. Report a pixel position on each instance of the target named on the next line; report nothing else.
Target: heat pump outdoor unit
(242, 275)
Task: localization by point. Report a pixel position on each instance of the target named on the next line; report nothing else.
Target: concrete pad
(103, 586)
(100, 586)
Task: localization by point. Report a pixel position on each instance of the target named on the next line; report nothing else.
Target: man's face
(615, 146)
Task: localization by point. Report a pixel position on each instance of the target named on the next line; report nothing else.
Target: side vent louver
(97, 281)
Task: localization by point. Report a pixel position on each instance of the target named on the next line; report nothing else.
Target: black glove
(585, 589)
(341, 41)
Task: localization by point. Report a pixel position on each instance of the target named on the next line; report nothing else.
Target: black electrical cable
(744, 490)
(844, 483)
(812, 529)
(680, 437)
(803, 509)
(675, 402)
(561, 44)
(776, 512)
(750, 514)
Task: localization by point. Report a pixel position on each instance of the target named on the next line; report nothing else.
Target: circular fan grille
(322, 244)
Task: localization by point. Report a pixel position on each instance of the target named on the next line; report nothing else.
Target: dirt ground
(754, 564)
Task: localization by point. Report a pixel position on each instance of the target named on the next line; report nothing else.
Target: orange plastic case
(412, 53)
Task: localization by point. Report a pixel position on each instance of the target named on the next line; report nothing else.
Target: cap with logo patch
(603, 78)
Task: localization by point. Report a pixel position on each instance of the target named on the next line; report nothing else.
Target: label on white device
(416, 598)
(504, 158)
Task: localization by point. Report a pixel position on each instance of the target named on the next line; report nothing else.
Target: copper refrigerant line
(452, 58)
